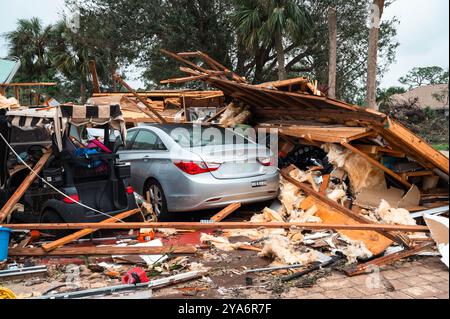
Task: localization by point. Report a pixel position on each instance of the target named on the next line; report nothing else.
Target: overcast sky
(423, 32)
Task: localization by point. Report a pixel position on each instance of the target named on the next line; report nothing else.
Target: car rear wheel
(52, 217)
(158, 200)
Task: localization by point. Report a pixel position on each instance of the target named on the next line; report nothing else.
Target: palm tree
(268, 23)
(31, 43)
(71, 57)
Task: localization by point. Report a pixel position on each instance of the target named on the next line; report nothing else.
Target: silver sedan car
(190, 167)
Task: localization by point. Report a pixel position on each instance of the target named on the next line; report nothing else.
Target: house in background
(435, 97)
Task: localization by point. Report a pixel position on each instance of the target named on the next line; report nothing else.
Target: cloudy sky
(423, 32)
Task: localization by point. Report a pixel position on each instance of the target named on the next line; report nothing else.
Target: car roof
(177, 125)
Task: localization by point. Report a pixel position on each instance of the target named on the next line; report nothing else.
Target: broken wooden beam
(186, 79)
(324, 199)
(101, 251)
(140, 98)
(376, 164)
(222, 225)
(14, 199)
(82, 233)
(227, 211)
(182, 60)
(367, 267)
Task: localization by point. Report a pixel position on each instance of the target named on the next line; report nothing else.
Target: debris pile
(355, 185)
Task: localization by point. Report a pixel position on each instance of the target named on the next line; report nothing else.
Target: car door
(144, 153)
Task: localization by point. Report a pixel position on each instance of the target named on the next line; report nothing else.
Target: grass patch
(441, 147)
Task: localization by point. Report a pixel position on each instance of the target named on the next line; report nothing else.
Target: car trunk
(237, 161)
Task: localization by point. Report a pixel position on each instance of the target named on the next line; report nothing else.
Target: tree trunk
(282, 74)
(83, 89)
(377, 13)
(332, 65)
(259, 66)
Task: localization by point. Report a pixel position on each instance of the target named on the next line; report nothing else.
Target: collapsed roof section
(297, 107)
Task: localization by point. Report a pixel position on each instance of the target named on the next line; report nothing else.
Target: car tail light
(265, 161)
(130, 190)
(71, 199)
(195, 168)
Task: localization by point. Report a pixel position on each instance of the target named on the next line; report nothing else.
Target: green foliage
(442, 147)
(425, 76)
(242, 34)
(384, 96)
(30, 42)
(264, 24)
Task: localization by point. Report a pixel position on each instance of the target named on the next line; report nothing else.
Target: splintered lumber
(418, 145)
(14, 199)
(180, 59)
(101, 251)
(139, 107)
(376, 150)
(377, 164)
(212, 63)
(186, 79)
(347, 214)
(82, 233)
(217, 115)
(221, 225)
(325, 183)
(140, 98)
(227, 211)
(374, 241)
(326, 134)
(367, 267)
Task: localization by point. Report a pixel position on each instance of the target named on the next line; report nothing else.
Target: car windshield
(200, 136)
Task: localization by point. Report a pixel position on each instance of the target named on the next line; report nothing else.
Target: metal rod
(114, 289)
(274, 268)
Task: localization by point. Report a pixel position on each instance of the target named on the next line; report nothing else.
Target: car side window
(145, 141)
(130, 137)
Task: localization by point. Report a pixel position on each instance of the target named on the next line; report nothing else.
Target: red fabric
(135, 276)
(100, 145)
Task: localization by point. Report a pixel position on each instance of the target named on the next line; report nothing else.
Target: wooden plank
(14, 199)
(325, 200)
(180, 59)
(222, 225)
(217, 115)
(386, 260)
(376, 150)
(227, 211)
(82, 233)
(414, 142)
(375, 242)
(377, 164)
(101, 251)
(215, 64)
(139, 107)
(185, 79)
(283, 83)
(325, 183)
(140, 98)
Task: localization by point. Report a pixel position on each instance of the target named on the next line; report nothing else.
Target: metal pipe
(114, 289)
